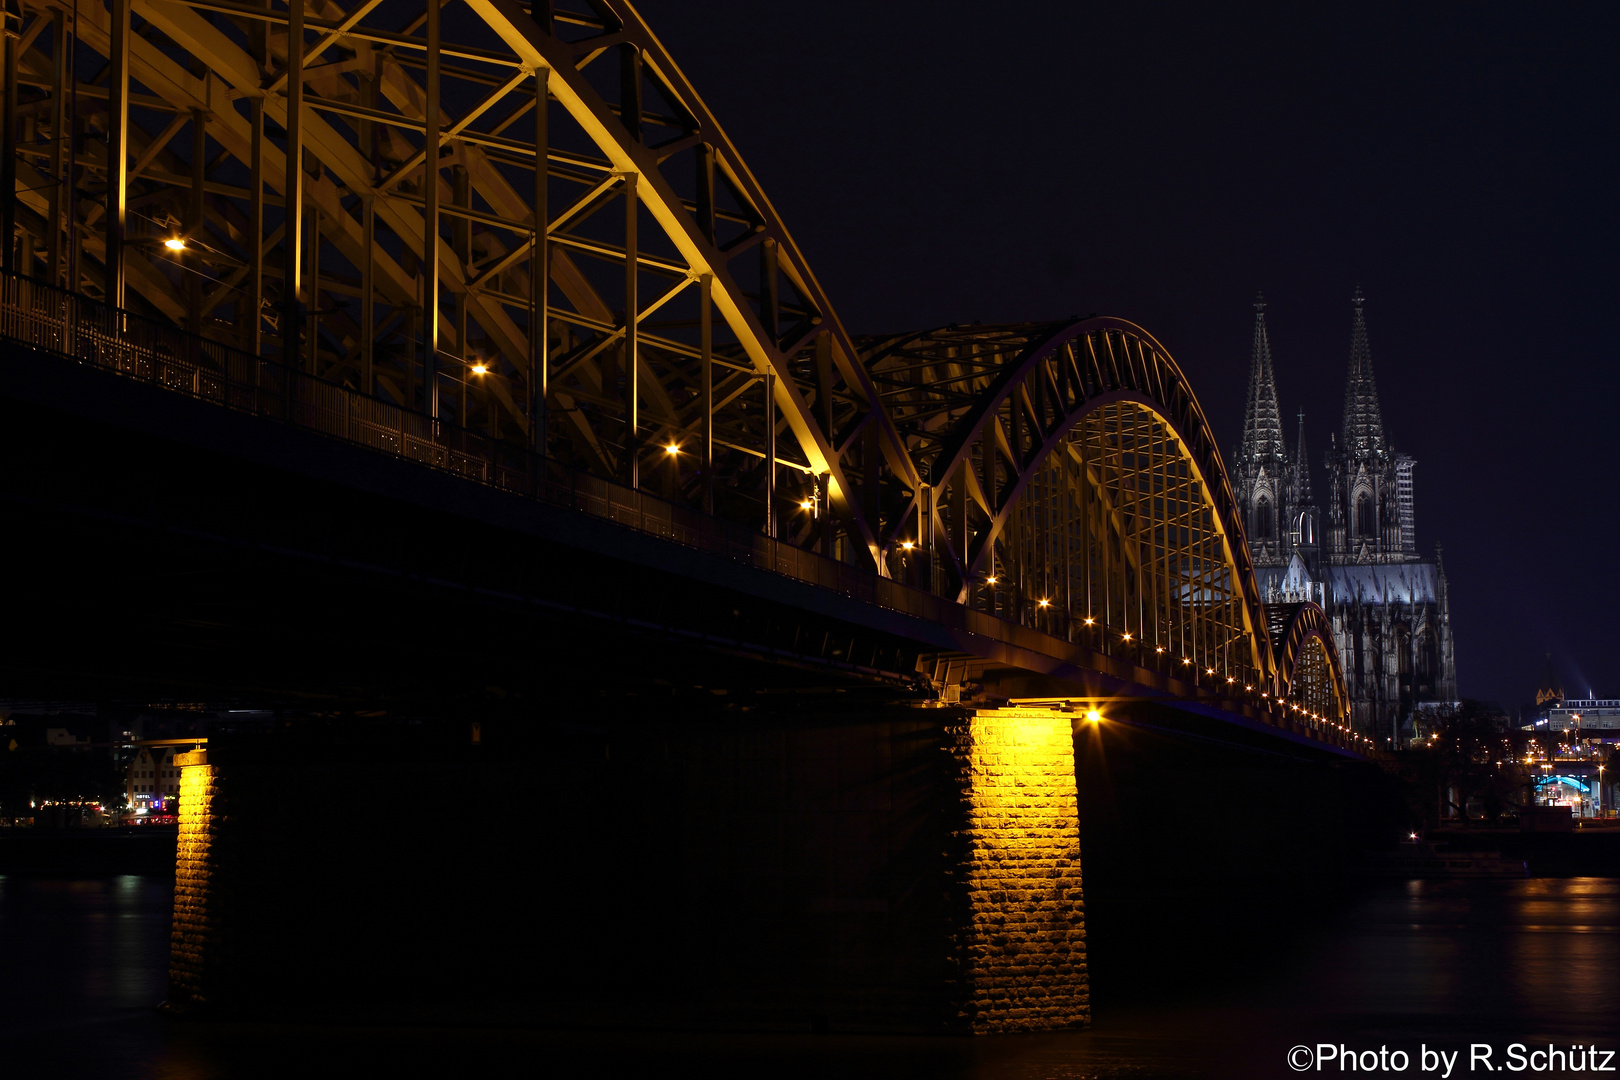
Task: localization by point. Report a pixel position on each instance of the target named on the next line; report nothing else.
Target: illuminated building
(149, 779)
(1358, 556)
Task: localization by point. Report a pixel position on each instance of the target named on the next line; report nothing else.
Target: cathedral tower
(1261, 475)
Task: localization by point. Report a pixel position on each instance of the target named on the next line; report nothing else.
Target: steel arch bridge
(515, 243)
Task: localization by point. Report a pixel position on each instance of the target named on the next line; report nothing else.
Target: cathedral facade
(1357, 555)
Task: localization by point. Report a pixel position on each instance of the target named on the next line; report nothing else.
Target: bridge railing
(46, 317)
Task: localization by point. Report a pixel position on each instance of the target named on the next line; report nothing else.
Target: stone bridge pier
(894, 868)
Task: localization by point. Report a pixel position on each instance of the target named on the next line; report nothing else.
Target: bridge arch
(1309, 678)
(1074, 484)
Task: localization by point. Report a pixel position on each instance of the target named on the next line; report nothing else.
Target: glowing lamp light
(1043, 603)
(1127, 637)
(806, 505)
(480, 368)
(1185, 661)
(1090, 622)
(1093, 716)
(672, 449)
(1209, 671)
(1159, 649)
(174, 243)
(907, 544)
(991, 580)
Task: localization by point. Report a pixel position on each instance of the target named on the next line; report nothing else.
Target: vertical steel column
(632, 352)
(8, 149)
(824, 407)
(70, 132)
(430, 218)
(312, 288)
(540, 271)
(117, 151)
(770, 451)
(461, 246)
(368, 312)
(1066, 534)
(255, 297)
(59, 123)
(194, 212)
(292, 240)
(368, 232)
(768, 319)
(1085, 518)
(988, 483)
(706, 348)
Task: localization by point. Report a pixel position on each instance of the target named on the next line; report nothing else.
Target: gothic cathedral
(1358, 558)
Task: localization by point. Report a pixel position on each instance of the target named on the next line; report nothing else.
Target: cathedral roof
(1363, 420)
(1375, 583)
(1262, 419)
(1384, 583)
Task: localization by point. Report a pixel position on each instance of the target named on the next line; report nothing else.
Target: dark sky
(942, 162)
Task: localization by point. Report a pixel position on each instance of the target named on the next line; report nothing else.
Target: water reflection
(1403, 964)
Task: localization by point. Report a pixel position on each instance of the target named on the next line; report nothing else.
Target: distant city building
(150, 779)
(1357, 557)
(1589, 719)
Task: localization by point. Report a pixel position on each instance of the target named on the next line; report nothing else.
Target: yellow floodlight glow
(907, 544)
(480, 368)
(1090, 621)
(1127, 637)
(174, 243)
(991, 580)
(807, 505)
(672, 449)
(1093, 716)
(1043, 602)
(1159, 649)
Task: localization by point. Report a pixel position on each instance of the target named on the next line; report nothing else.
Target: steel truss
(524, 221)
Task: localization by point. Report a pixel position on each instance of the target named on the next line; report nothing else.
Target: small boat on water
(1418, 858)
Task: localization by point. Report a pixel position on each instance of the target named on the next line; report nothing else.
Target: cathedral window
(1262, 518)
(1365, 525)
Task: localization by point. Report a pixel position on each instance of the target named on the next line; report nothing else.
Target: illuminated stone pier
(195, 944)
(1022, 940)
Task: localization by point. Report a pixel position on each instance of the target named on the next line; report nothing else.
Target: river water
(1403, 967)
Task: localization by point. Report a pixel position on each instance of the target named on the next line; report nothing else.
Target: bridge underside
(436, 386)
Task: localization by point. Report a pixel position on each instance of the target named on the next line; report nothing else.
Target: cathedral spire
(1262, 419)
(1302, 469)
(1363, 420)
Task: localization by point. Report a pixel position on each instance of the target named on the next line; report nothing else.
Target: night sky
(943, 162)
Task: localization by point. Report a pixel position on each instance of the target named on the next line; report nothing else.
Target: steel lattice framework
(524, 221)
